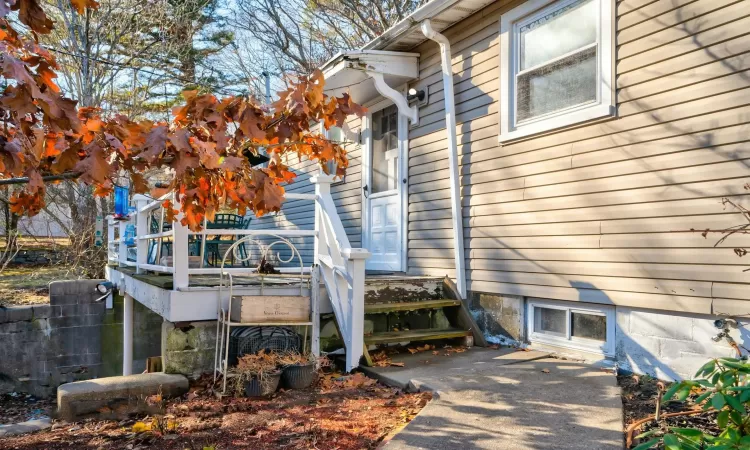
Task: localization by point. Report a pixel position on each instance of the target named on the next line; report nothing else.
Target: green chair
(213, 255)
(166, 243)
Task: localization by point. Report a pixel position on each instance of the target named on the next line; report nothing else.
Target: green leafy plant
(722, 386)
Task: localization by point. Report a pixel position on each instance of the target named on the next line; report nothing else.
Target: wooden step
(390, 337)
(379, 308)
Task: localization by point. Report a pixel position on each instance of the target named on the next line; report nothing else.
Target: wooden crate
(270, 309)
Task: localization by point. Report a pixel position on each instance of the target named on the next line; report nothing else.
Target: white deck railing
(342, 267)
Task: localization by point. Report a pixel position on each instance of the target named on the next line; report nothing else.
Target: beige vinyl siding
(601, 212)
(300, 214)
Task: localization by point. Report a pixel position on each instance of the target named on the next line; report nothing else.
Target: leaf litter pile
(382, 356)
(338, 412)
(639, 398)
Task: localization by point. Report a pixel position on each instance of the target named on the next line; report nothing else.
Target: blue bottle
(121, 202)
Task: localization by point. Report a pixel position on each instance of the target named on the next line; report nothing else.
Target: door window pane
(569, 82)
(557, 33)
(589, 326)
(550, 321)
(384, 163)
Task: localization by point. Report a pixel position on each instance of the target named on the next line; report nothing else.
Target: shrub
(721, 385)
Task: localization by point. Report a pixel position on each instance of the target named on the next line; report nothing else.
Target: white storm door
(382, 192)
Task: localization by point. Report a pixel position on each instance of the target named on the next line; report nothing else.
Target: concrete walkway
(507, 399)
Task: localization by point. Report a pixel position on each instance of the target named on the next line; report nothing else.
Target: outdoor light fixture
(725, 323)
(104, 287)
(414, 94)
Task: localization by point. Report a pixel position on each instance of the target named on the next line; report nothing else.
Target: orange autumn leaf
(207, 147)
(81, 5)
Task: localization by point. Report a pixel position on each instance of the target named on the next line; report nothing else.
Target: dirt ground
(338, 412)
(639, 394)
(18, 407)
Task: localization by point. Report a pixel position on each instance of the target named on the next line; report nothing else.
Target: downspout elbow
(433, 35)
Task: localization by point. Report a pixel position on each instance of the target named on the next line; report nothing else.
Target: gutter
(425, 12)
(450, 128)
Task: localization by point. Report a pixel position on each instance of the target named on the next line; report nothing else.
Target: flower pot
(298, 376)
(262, 387)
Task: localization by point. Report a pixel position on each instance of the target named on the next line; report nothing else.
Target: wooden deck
(164, 280)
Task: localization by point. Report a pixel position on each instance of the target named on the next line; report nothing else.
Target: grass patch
(38, 243)
(24, 285)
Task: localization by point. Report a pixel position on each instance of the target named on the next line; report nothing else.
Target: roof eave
(426, 11)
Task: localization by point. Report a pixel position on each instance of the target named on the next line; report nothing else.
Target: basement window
(579, 326)
(556, 65)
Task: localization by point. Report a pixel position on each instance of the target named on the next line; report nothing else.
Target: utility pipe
(450, 128)
(127, 336)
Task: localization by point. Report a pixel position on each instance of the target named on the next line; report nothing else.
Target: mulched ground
(18, 407)
(639, 394)
(351, 412)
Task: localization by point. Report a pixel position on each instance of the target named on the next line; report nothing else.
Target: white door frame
(402, 178)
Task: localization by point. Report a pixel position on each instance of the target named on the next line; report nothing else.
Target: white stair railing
(342, 269)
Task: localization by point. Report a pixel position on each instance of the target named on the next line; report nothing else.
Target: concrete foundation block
(82, 398)
(499, 314)
(82, 288)
(671, 349)
(19, 313)
(189, 349)
(654, 325)
(42, 311)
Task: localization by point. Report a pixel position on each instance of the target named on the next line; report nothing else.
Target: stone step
(391, 337)
(381, 308)
(129, 393)
(389, 288)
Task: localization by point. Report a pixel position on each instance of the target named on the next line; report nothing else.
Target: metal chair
(212, 255)
(166, 243)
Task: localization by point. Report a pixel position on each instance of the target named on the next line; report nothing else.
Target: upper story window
(556, 65)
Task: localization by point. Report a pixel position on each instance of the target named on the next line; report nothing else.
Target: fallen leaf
(140, 427)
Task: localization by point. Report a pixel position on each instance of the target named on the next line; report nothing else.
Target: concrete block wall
(670, 345)
(666, 345)
(46, 345)
(70, 339)
(499, 316)
(146, 337)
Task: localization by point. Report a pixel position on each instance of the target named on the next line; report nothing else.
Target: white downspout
(450, 124)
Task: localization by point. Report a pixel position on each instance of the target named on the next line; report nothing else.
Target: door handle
(364, 189)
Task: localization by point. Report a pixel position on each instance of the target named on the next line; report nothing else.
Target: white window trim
(604, 107)
(585, 345)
